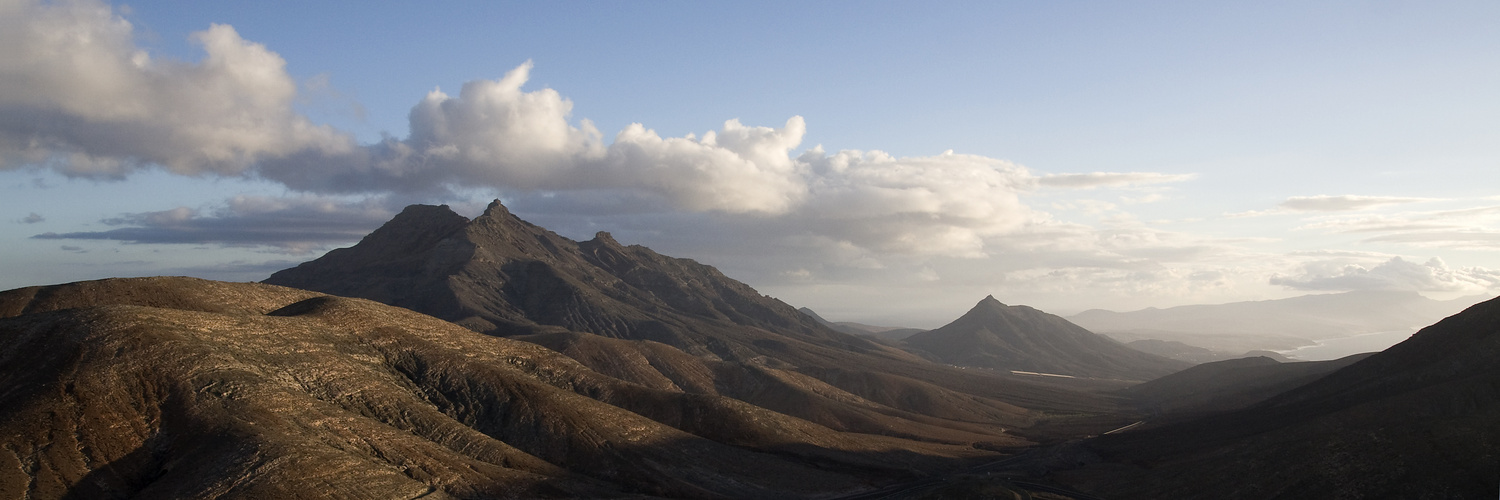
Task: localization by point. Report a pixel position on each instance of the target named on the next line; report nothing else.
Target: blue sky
(1116, 155)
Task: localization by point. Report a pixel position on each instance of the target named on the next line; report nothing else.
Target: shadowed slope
(1418, 420)
(175, 387)
(1228, 385)
(994, 335)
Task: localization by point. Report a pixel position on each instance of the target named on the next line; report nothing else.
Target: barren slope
(176, 387)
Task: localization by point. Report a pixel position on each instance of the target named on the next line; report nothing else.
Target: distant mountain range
(1280, 324)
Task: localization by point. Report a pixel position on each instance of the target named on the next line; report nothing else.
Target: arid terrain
(444, 357)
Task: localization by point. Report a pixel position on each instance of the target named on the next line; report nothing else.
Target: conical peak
(497, 216)
(495, 209)
(990, 300)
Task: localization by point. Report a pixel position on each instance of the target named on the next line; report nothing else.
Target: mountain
(994, 335)
(1194, 354)
(1276, 324)
(186, 388)
(675, 324)
(1418, 420)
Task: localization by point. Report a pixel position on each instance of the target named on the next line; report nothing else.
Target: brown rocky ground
(181, 388)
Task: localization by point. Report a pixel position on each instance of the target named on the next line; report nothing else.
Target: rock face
(185, 388)
(1418, 420)
(674, 324)
(994, 335)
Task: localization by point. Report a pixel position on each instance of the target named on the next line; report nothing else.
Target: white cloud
(80, 97)
(1109, 179)
(1393, 274)
(495, 134)
(1326, 203)
(1481, 240)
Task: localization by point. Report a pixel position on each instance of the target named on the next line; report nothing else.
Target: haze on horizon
(876, 162)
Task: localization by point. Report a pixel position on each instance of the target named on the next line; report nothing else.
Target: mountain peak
(606, 238)
(994, 335)
(495, 207)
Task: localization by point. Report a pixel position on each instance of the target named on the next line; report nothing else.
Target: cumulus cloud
(293, 225)
(497, 135)
(32, 218)
(81, 98)
(1393, 274)
(1326, 203)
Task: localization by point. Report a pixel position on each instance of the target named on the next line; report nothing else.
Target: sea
(1337, 348)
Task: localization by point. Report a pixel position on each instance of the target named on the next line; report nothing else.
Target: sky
(881, 162)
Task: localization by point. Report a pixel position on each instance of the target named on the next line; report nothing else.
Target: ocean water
(1340, 347)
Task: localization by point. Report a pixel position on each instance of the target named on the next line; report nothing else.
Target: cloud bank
(1393, 274)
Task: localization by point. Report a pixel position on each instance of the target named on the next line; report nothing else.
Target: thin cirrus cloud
(292, 225)
(1109, 179)
(1463, 229)
(78, 96)
(1326, 203)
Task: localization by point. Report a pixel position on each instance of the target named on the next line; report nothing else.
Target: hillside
(1418, 420)
(1228, 385)
(184, 388)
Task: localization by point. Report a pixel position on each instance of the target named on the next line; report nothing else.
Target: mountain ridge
(622, 309)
